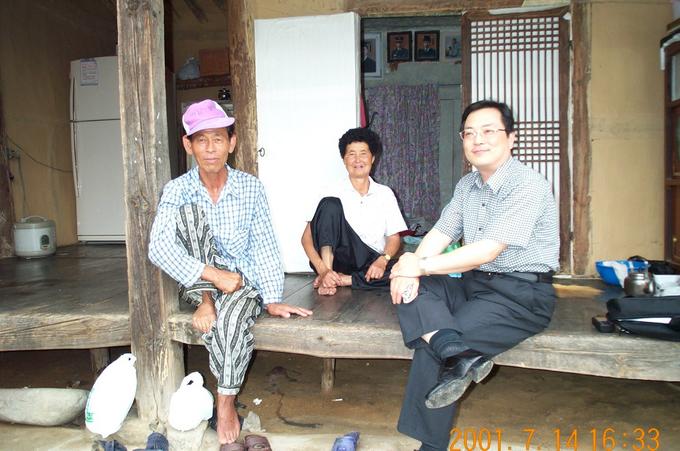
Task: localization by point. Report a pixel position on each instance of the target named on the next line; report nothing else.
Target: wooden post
(328, 375)
(99, 359)
(581, 135)
(6, 204)
(565, 197)
(152, 296)
(242, 68)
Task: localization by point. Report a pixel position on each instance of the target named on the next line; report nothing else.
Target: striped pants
(229, 341)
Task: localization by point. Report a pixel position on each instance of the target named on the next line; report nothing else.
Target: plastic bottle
(451, 247)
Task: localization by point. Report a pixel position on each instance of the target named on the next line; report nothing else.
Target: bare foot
(346, 280)
(228, 427)
(327, 291)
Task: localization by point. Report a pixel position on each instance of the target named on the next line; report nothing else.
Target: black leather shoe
(455, 375)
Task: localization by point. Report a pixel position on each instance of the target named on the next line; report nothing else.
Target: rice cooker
(35, 236)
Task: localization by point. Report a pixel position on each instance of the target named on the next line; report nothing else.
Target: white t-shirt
(372, 216)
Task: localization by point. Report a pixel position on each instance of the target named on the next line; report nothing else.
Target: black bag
(660, 267)
(626, 313)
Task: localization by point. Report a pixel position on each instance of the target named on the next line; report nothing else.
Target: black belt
(541, 277)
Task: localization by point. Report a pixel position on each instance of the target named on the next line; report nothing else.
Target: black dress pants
(350, 255)
(491, 313)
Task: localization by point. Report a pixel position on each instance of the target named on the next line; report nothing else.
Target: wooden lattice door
(523, 60)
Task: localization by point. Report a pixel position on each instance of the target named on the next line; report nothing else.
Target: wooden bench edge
(37, 332)
(585, 353)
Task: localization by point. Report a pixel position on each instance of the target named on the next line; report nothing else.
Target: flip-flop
(112, 445)
(233, 447)
(257, 442)
(155, 442)
(347, 442)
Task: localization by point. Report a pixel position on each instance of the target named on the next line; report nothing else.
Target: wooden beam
(581, 135)
(242, 68)
(6, 204)
(152, 296)
(565, 197)
(429, 7)
(33, 330)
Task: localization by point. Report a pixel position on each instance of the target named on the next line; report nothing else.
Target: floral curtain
(407, 120)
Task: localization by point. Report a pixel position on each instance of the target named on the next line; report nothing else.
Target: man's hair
(504, 109)
(362, 135)
(230, 132)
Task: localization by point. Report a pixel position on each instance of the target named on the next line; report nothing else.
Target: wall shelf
(204, 82)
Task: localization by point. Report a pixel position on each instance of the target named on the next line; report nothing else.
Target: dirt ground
(368, 393)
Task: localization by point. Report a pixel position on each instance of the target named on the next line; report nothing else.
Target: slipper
(155, 442)
(347, 442)
(257, 442)
(233, 447)
(112, 445)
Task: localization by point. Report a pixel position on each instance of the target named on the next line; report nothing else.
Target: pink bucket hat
(203, 115)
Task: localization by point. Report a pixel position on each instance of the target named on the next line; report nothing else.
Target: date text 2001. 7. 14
(606, 439)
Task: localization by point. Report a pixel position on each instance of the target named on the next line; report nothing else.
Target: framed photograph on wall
(398, 46)
(427, 46)
(451, 46)
(371, 54)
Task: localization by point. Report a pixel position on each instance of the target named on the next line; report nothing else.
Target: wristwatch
(422, 267)
(388, 257)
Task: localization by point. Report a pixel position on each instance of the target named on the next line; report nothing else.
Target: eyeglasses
(487, 133)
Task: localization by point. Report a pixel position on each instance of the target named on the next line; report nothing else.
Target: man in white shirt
(354, 233)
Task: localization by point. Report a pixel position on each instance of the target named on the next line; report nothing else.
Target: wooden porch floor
(77, 299)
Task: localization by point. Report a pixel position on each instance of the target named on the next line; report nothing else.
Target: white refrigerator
(97, 150)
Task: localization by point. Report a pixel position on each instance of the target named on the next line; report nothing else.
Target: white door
(308, 82)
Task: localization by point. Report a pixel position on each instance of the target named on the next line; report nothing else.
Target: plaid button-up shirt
(516, 207)
(241, 225)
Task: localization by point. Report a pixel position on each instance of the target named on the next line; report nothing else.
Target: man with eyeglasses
(506, 215)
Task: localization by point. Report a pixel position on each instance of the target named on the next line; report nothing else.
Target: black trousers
(350, 255)
(491, 313)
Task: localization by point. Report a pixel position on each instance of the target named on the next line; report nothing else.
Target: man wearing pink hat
(213, 235)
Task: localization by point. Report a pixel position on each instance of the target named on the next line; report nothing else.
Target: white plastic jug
(111, 397)
(190, 404)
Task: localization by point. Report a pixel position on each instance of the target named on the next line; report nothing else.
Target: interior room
(414, 104)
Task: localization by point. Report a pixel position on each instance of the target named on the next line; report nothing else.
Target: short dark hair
(361, 135)
(230, 132)
(503, 108)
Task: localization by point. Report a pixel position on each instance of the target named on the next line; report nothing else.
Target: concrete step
(33, 438)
